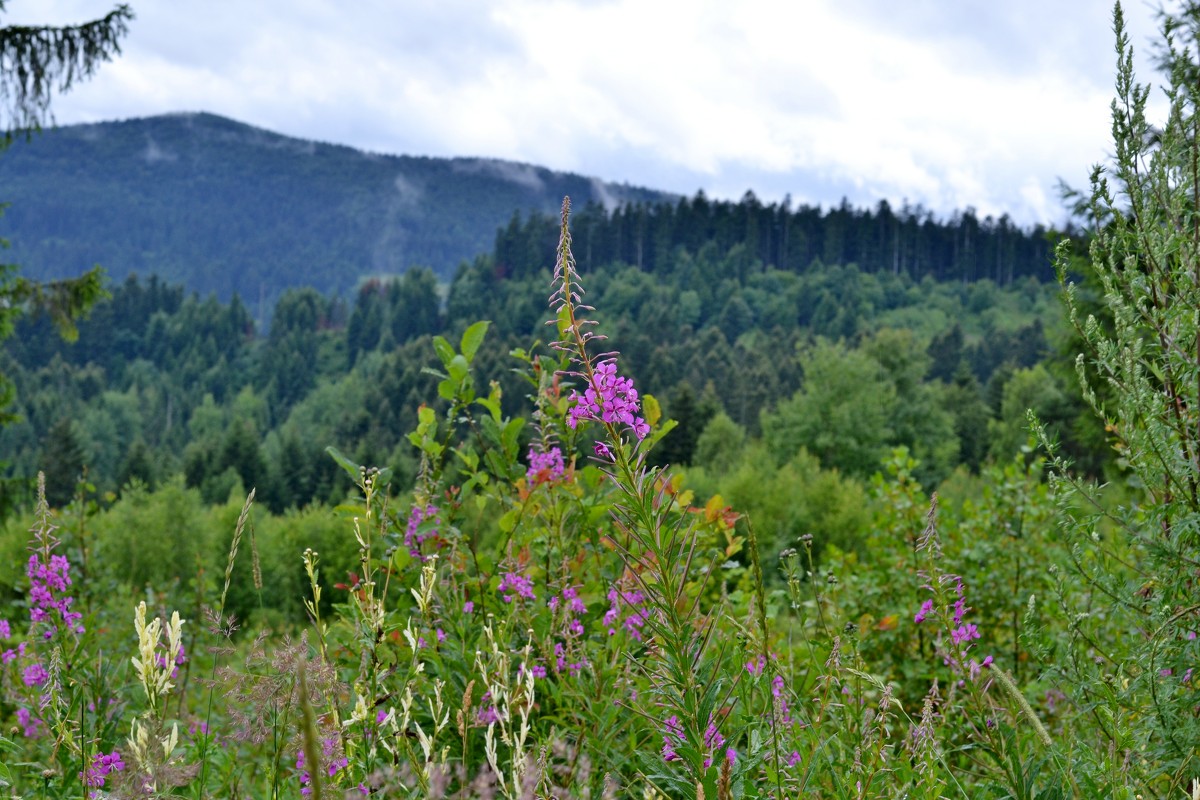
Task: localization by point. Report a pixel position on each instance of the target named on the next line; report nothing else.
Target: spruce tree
(36, 62)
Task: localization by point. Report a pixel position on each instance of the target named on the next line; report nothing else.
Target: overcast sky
(947, 103)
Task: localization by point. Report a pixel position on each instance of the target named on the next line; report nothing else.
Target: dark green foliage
(842, 414)
(137, 466)
(63, 460)
(226, 208)
(184, 374)
(946, 353)
(288, 367)
(679, 446)
(964, 397)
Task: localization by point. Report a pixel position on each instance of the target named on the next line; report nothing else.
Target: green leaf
(444, 351)
(458, 369)
(473, 337)
(491, 431)
(496, 463)
(508, 520)
(352, 469)
(512, 430)
(491, 405)
(401, 559)
(651, 409)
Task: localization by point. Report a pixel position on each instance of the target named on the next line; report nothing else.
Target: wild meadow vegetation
(552, 584)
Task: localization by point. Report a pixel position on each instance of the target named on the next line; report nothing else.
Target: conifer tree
(36, 62)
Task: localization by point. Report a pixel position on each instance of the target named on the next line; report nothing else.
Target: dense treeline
(840, 361)
(909, 241)
(225, 208)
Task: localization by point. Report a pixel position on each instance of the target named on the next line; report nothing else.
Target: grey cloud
(409, 193)
(153, 153)
(522, 174)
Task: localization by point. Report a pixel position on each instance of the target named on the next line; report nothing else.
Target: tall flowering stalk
(149, 743)
(657, 543)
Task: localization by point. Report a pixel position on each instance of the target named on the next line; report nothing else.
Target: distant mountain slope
(224, 207)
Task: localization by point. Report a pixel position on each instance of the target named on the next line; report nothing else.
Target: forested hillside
(222, 207)
(945, 356)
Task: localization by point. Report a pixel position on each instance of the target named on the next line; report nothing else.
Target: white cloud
(950, 105)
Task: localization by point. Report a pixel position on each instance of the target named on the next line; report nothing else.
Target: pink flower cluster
(31, 726)
(674, 730)
(414, 534)
(544, 467)
(514, 585)
(102, 765)
(334, 765)
(609, 398)
(572, 607)
(47, 593)
(713, 740)
(961, 633)
(635, 602)
(563, 663)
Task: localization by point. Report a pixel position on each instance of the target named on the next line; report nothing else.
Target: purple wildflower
(673, 729)
(562, 664)
(334, 764)
(421, 525)
(102, 765)
(35, 675)
(179, 660)
(923, 614)
(964, 633)
(571, 594)
(781, 703)
(544, 467)
(31, 725)
(634, 601)
(609, 398)
(979, 666)
(518, 585)
(48, 584)
(712, 740)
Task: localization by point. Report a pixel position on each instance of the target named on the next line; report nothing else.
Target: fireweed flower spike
(608, 398)
(657, 544)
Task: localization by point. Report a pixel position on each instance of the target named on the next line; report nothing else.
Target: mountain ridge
(228, 208)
